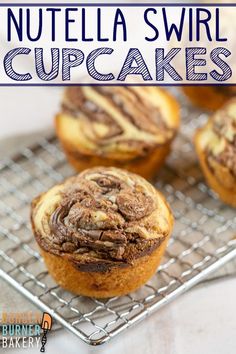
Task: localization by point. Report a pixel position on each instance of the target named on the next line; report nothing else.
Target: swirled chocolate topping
(223, 146)
(103, 216)
(123, 116)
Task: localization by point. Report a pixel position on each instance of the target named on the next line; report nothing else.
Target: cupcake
(102, 233)
(128, 127)
(210, 97)
(216, 148)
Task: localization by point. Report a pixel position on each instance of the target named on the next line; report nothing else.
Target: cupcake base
(146, 166)
(116, 281)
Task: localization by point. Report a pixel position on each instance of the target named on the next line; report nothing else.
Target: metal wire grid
(202, 241)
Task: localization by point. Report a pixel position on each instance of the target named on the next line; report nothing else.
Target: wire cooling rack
(202, 241)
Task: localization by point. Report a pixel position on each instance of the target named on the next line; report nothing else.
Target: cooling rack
(202, 241)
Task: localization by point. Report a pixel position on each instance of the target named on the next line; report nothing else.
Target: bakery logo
(24, 329)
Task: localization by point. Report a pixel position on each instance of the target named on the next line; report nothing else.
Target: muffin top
(103, 217)
(218, 138)
(119, 122)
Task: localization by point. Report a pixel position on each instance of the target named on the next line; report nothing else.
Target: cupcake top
(218, 137)
(120, 122)
(228, 91)
(103, 217)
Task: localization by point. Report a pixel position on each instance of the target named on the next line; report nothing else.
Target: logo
(24, 329)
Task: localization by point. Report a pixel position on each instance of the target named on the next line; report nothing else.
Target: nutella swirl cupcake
(129, 127)
(102, 233)
(216, 147)
(210, 97)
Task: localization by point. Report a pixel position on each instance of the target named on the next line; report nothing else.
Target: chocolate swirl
(121, 119)
(222, 149)
(103, 217)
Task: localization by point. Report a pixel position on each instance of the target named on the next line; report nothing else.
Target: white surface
(201, 321)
